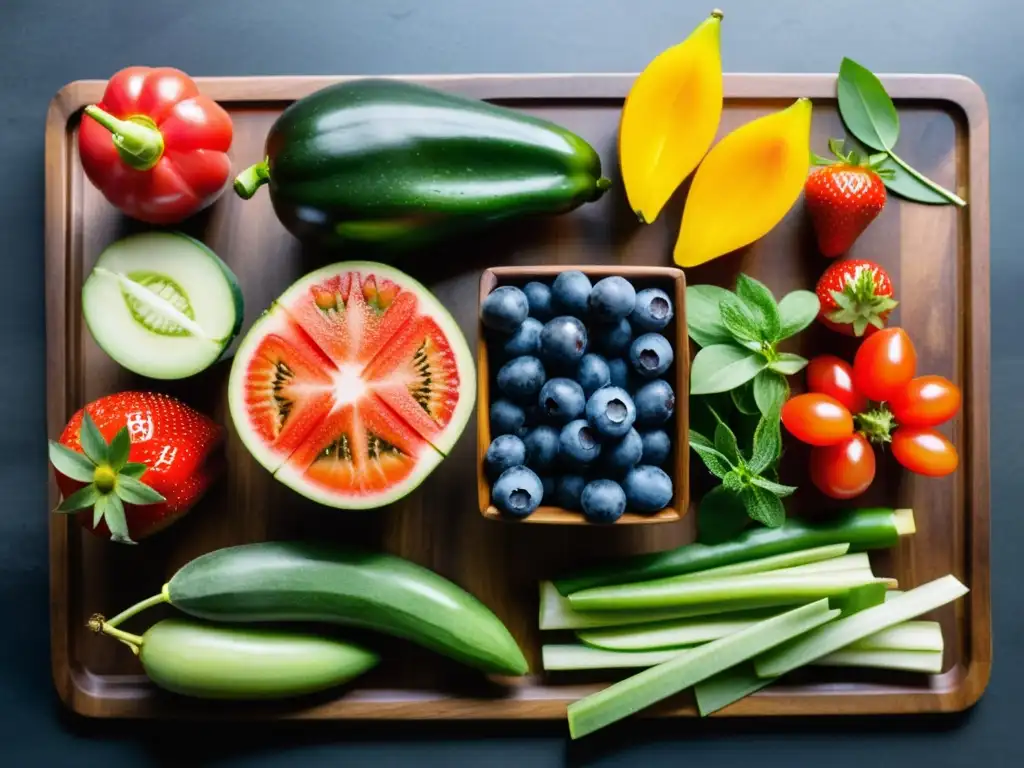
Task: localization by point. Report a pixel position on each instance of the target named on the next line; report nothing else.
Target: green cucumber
(816, 556)
(309, 582)
(863, 529)
(690, 667)
(162, 304)
(209, 661)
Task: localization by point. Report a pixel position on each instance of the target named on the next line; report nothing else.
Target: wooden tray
(938, 258)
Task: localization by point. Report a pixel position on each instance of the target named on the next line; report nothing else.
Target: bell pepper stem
(251, 179)
(138, 140)
(139, 607)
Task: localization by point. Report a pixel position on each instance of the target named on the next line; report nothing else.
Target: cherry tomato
(833, 376)
(817, 419)
(843, 470)
(924, 451)
(884, 364)
(926, 401)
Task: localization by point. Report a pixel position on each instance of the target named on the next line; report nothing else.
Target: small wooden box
(670, 280)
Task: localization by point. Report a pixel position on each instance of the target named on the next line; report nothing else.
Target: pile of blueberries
(580, 415)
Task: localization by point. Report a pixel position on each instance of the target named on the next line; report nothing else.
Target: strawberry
(131, 463)
(843, 198)
(856, 297)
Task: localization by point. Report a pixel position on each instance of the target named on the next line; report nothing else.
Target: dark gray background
(43, 45)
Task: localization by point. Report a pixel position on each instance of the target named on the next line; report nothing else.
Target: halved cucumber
(162, 304)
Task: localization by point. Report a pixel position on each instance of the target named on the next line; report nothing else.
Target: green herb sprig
(738, 334)
(871, 117)
(749, 489)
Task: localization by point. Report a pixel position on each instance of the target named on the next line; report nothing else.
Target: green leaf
(733, 482)
(767, 442)
(136, 492)
(93, 444)
(703, 317)
(738, 321)
(713, 459)
(100, 510)
(725, 440)
(908, 186)
(866, 108)
(764, 507)
(720, 516)
(760, 300)
(780, 490)
(722, 367)
(797, 310)
(770, 390)
(80, 499)
(71, 463)
(116, 521)
(134, 469)
(743, 398)
(787, 363)
(117, 453)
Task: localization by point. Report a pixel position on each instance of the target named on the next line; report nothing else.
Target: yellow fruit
(670, 118)
(746, 184)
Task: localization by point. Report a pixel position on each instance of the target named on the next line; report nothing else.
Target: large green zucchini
(388, 162)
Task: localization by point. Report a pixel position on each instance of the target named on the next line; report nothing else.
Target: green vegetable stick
(849, 630)
(669, 634)
(668, 593)
(857, 561)
(883, 658)
(556, 657)
(656, 683)
(787, 560)
(907, 636)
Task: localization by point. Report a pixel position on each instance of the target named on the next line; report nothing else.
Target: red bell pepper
(154, 146)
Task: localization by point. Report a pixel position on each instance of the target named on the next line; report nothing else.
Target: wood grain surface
(938, 258)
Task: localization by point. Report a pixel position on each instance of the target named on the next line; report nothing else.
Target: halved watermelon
(353, 386)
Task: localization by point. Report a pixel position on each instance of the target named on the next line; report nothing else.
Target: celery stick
(858, 561)
(909, 661)
(802, 557)
(727, 687)
(556, 657)
(826, 640)
(656, 683)
(668, 634)
(667, 593)
(908, 636)
(862, 529)
(556, 612)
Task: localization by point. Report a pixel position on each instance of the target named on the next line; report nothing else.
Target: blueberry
(568, 490)
(613, 340)
(570, 293)
(541, 447)
(578, 441)
(521, 378)
(651, 355)
(603, 501)
(648, 488)
(613, 298)
(655, 402)
(619, 373)
(653, 310)
(525, 340)
(504, 309)
(611, 412)
(657, 447)
(538, 296)
(507, 418)
(561, 400)
(592, 373)
(563, 341)
(549, 489)
(620, 456)
(534, 416)
(504, 452)
(518, 492)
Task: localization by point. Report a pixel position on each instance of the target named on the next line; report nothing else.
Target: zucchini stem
(149, 602)
(98, 625)
(251, 179)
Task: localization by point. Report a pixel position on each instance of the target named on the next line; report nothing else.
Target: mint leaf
(743, 398)
(780, 490)
(866, 108)
(703, 318)
(761, 302)
(71, 463)
(722, 367)
(787, 363)
(770, 389)
(764, 507)
(797, 310)
(738, 320)
(93, 444)
(713, 459)
(767, 443)
(720, 516)
(725, 440)
(733, 482)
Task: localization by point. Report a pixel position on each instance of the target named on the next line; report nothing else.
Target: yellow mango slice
(670, 117)
(746, 185)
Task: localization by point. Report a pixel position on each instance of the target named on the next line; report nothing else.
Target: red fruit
(926, 401)
(924, 451)
(147, 459)
(884, 364)
(833, 376)
(843, 470)
(817, 419)
(856, 297)
(843, 199)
